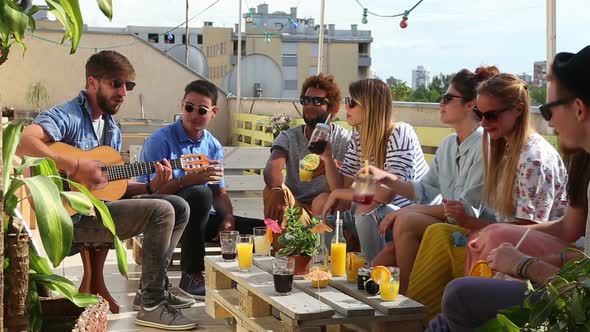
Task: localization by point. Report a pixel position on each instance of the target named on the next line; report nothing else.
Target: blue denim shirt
(71, 123)
(171, 142)
(456, 173)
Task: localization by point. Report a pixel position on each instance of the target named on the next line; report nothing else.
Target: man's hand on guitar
(89, 173)
(211, 173)
(163, 174)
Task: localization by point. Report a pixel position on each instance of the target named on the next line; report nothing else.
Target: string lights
(402, 24)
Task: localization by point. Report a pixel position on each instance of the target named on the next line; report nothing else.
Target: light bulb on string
(293, 23)
(169, 36)
(249, 18)
(404, 23)
(267, 37)
(364, 20)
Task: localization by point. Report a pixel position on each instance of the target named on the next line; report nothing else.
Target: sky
(442, 35)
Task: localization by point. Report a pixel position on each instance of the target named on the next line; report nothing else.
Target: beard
(104, 103)
(321, 118)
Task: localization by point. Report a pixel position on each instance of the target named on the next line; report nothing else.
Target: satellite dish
(196, 59)
(261, 76)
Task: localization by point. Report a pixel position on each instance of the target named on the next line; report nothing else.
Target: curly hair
(328, 84)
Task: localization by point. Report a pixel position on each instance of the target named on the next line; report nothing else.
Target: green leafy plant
(561, 304)
(37, 95)
(298, 239)
(55, 224)
(16, 20)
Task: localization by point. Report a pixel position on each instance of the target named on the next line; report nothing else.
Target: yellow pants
(438, 262)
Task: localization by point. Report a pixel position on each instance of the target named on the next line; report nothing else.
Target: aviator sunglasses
(117, 83)
(447, 97)
(317, 101)
(190, 108)
(490, 115)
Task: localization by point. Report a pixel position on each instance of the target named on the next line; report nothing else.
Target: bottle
(338, 250)
(319, 138)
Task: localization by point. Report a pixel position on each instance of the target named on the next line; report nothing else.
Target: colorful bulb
(404, 23)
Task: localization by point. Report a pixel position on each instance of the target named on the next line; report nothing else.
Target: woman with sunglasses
(385, 144)
(456, 173)
(525, 184)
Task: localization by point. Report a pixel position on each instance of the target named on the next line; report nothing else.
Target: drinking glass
(261, 242)
(282, 272)
(245, 247)
(364, 189)
(228, 240)
(389, 289)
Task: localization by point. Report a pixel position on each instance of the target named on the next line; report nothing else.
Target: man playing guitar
(86, 122)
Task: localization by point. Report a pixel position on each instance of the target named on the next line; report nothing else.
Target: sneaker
(164, 317)
(193, 284)
(176, 302)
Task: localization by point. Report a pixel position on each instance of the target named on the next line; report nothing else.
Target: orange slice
(269, 235)
(349, 260)
(380, 273)
(481, 269)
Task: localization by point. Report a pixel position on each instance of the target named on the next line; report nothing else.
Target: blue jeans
(365, 226)
(161, 219)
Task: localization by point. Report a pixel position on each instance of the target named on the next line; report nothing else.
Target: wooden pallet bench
(255, 306)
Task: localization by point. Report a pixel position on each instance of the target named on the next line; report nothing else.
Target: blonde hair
(500, 169)
(375, 99)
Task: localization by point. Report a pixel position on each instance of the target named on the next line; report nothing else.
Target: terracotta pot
(302, 264)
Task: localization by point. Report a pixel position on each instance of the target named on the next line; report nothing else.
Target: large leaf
(55, 224)
(108, 222)
(106, 6)
(75, 22)
(64, 287)
(37, 263)
(79, 202)
(15, 19)
(10, 138)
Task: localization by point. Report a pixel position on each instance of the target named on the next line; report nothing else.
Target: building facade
(420, 77)
(539, 73)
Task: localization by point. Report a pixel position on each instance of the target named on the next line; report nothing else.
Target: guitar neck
(126, 171)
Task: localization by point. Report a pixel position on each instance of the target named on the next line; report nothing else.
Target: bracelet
(276, 188)
(148, 188)
(77, 168)
(526, 266)
(522, 265)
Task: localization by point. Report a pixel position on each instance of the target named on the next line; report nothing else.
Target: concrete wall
(160, 79)
(417, 114)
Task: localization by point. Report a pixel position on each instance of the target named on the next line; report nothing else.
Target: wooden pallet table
(249, 297)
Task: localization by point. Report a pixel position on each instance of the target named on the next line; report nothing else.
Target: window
(184, 38)
(153, 38)
(199, 39)
(169, 38)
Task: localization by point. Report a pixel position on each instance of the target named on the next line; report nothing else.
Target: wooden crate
(255, 306)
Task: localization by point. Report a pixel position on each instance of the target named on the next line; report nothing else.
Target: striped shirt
(403, 157)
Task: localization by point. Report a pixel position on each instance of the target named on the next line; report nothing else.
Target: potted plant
(37, 95)
(24, 269)
(298, 241)
(561, 304)
(278, 123)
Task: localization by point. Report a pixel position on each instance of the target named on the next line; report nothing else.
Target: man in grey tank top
(320, 97)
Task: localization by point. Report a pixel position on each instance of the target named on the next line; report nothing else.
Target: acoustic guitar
(117, 171)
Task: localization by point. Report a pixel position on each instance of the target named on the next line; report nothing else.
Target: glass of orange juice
(354, 261)
(245, 247)
(320, 283)
(389, 285)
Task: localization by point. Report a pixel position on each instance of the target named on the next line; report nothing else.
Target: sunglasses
(490, 115)
(545, 109)
(317, 101)
(190, 108)
(351, 103)
(117, 83)
(447, 97)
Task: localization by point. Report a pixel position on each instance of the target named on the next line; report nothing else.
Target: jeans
(200, 200)
(365, 226)
(161, 219)
(468, 303)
